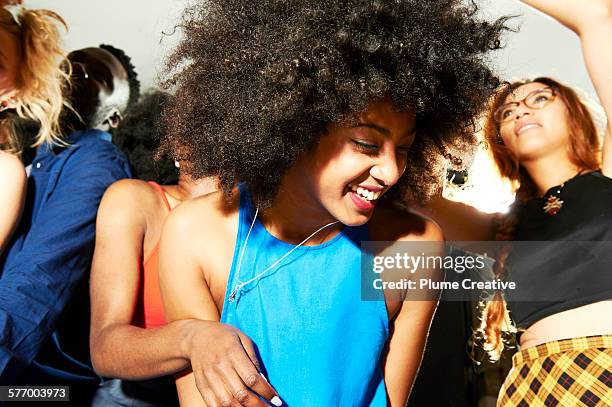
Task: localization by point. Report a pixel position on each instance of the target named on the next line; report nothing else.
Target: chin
(351, 217)
(356, 221)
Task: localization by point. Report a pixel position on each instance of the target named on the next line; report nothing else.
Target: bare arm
(118, 348)
(13, 180)
(408, 335)
(223, 361)
(592, 21)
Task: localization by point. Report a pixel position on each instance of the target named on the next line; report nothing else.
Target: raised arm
(119, 349)
(592, 21)
(13, 180)
(223, 360)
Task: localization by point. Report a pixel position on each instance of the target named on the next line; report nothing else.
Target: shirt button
(37, 165)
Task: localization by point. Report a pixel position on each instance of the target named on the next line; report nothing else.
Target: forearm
(127, 352)
(406, 347)
(577, 15)
(598, 60)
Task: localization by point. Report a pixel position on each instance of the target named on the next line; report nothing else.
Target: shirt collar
(72, 139)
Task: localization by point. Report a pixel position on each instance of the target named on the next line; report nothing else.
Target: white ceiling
(542, 47)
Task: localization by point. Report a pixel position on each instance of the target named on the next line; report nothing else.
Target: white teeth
(364, 193)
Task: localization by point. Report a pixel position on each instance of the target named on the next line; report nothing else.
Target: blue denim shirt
(44, 302)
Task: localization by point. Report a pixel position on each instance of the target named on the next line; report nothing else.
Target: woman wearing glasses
(543, 137)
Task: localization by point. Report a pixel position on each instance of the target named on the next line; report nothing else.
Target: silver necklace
(241, 284)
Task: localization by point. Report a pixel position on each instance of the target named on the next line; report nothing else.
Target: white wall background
(135, 26)
(542, 47)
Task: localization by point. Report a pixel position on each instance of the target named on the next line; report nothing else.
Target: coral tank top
(150, 308)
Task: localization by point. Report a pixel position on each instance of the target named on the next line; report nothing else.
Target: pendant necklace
(553, 202)
(241, 284)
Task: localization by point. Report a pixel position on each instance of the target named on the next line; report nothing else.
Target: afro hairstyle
(139, 135)
(257, 83)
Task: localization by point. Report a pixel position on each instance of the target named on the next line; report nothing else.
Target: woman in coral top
(129, 338)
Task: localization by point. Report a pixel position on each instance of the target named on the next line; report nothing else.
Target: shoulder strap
(161, 193)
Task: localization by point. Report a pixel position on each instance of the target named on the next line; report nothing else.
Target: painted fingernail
(276, 401)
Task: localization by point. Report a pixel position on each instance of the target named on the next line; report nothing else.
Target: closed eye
(365, 147)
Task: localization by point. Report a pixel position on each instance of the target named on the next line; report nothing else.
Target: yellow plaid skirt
(570, 372)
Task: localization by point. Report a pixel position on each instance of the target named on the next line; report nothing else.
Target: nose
(522, 110)
(388, 169)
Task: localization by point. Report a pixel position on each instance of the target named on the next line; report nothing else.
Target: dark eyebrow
(376, 127)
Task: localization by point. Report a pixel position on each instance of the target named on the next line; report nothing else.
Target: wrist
(187, 334)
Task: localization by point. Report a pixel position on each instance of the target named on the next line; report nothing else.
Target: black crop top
(571, 263)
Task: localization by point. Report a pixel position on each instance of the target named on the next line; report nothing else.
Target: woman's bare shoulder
(394, 223)
(13, 177)
(131, 196)
(204, 216)
(203, 230)
(11, 167)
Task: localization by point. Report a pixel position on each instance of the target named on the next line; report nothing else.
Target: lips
(365, 196)
(361, 203)
(521, 127)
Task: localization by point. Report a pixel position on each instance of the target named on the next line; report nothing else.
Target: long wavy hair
(43, 75)
(584, 152)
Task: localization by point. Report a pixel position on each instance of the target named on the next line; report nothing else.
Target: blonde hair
(41, 81)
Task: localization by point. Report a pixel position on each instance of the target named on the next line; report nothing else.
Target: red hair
(584, 152)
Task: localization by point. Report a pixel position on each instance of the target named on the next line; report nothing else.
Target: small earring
(177, 164)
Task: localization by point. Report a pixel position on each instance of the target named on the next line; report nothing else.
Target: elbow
(593, 19)
(100, 367)
(601, 14)
(98, 354)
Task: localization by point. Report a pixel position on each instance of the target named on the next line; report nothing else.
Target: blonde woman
(31, 86)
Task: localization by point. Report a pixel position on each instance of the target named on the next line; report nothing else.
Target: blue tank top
(319, 344)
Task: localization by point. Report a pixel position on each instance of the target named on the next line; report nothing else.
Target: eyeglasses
(538, 99)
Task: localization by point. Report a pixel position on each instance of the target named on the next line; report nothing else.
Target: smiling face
(351, 167)
(532, 133)
(10, 58)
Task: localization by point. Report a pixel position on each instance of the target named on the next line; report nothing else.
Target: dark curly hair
(260, 81)
(126, 62)
(139, 136)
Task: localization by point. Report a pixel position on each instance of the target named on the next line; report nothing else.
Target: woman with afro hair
(312, 114)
